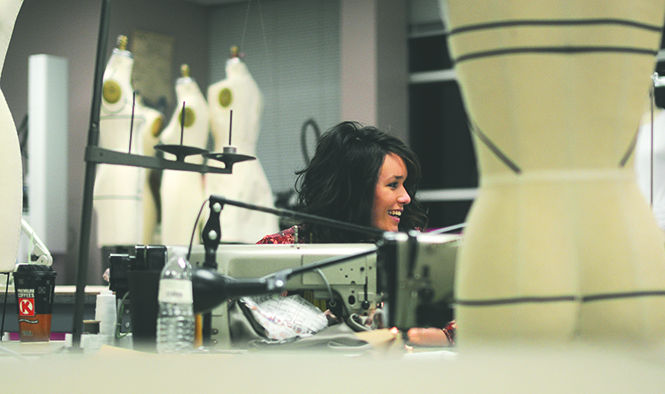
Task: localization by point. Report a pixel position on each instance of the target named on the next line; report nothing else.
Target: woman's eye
(392, 185)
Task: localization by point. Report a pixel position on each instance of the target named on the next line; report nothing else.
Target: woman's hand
(433, 336)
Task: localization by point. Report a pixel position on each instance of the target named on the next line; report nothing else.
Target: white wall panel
(47, 149)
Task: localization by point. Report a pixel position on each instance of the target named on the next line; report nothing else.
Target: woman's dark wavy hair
(340, 180)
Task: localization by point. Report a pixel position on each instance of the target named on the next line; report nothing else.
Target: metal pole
(299, 216)
(90, 169)
(4, 308)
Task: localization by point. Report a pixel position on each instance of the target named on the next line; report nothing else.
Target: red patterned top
(283, 237)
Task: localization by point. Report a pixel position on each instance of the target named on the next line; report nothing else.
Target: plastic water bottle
(175, 321)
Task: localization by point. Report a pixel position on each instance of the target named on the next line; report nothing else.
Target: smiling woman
(390, 196)
(358, 175)
(364, 176)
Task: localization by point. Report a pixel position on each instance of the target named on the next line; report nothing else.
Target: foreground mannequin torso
(240, 93)
(11, 171)
(118, 190)
(182, 192)
(560, 244)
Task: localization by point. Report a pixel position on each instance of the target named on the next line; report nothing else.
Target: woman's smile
(390, 196)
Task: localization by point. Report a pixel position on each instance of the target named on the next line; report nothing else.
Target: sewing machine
(411, 274)
(353, 282)
(417, 276)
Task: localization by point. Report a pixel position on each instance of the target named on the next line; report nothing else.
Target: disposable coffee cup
(34, 286)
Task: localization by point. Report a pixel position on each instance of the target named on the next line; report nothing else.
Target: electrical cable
(355, 325)
(332, 303)
(22, 131)
(303, 137)
(244, 28)
(325, 281)
(196, 222)
(448, 229)
(118, 318)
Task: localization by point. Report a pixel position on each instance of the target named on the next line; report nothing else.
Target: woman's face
(390, 196)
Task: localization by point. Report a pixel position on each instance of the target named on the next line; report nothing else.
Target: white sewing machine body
(354, 281)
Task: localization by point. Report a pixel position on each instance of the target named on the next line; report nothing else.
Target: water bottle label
(175, 291)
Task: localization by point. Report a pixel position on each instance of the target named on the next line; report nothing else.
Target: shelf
(99, 155)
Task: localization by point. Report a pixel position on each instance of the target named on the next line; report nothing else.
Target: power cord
(196, 222)
(118, 319)
(355, 324)
(332, 301)
(303, 137)
(331, 296)
(448, 229)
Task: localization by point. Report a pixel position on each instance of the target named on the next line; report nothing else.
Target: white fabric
(181, 191)
(118, 194)
(10, 171)
(643, 164)
(248, 183)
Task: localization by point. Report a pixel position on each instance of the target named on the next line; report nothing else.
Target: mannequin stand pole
(4, 307)
(90, 173)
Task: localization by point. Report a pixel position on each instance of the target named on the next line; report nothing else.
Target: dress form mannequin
(643, 163)
(11, 172)
(119, 189)
(560, 244)
(149, 133)
(182, 192)
(240, 93)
